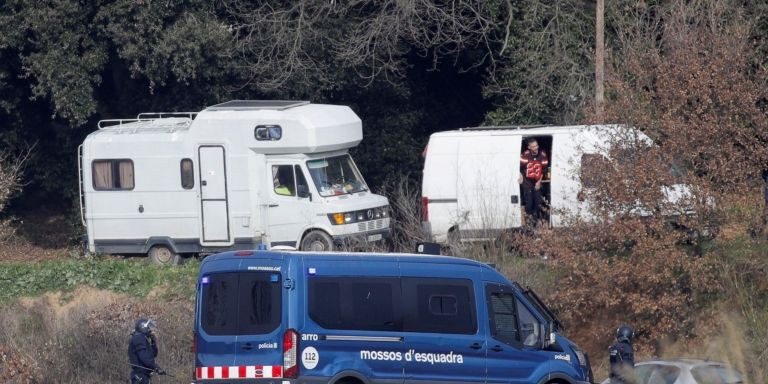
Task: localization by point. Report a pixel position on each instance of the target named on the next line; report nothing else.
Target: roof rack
(503, 127)
(161, 115)
(134, 125)
(252, 105)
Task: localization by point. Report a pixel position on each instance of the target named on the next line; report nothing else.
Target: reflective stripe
(239, 372)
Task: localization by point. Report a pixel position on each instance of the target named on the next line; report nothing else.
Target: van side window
(187, 174)
(359, 303)
(435, 305)
(503, 317)
(530, 327)
(241, 303)
(283, 181)
(111, 175)
(301, 181)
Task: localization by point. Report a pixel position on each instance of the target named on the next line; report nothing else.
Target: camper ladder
(80, 185)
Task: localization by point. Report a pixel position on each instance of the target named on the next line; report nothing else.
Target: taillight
(290, 354)
(425, 209)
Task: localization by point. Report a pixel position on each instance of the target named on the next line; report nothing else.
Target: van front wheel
(317, 241)
(162, 255)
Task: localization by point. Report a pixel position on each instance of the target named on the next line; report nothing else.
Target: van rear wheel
(163, 255)
(317, 241)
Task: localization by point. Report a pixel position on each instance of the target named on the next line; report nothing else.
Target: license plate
(376, 237)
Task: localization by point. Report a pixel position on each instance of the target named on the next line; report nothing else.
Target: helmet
(145, 325)
(625, 333)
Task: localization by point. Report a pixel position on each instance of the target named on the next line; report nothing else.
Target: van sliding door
(487, 190)
(213, 194)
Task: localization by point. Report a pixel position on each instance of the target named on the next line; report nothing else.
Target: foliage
(545, 69)
(134, 277)
(688, 82)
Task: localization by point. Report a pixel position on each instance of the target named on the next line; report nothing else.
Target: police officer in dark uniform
(142, 351)
(622, 357)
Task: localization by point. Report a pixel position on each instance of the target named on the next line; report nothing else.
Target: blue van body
(300, 317)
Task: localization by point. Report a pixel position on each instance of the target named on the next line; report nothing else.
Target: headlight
(358, 216)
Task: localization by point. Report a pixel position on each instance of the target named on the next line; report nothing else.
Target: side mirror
(428, 248)
(303, 191)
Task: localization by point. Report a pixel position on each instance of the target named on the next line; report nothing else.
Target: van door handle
(204, 183)
(476, 345)
(274, 205)
(247, 346)
(497, 348)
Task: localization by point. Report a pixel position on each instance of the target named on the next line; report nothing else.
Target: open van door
(487, 190)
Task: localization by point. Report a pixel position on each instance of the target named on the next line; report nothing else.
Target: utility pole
(599, 58)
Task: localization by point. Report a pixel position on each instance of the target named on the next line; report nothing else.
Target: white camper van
(470, 187)
(232, 176)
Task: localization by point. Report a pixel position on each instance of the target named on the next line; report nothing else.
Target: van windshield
(336, 175)
(240, 303)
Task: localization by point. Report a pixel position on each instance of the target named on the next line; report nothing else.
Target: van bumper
(362, 238)
(245, 381)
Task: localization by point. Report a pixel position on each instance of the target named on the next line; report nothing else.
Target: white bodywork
(470, 177)
(233, 202)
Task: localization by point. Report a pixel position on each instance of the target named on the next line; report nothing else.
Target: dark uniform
(622, 357)
(142, 351)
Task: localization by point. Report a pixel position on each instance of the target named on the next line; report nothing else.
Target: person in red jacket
(533, 165)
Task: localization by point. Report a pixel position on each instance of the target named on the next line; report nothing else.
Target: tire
(163, 255)
(317, 241)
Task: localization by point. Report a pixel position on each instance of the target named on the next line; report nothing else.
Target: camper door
(487, 190)
(290, 207)
(213, 195)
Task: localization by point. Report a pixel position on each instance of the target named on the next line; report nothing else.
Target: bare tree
(11, 172)
(308, 41)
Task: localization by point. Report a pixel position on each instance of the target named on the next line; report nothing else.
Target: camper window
(187, 174)
(302, 188)
(268, 132)
(110, 175)
(282, 178)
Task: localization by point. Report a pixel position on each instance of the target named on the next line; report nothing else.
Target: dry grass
(83, 337)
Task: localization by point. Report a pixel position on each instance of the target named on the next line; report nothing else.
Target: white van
(470, 189)
(232, 176)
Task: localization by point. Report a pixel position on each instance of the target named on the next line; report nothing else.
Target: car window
(664, 374)
(643, 372)
(715, 374)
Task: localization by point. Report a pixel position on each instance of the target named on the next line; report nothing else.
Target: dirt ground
(40, 235)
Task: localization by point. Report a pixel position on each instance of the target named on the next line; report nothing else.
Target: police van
(302, 317)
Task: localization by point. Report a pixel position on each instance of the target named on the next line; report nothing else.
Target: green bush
(132, 277)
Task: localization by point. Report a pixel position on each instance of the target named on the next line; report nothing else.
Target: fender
(349, 373)
(556, 376)
(160, 240)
